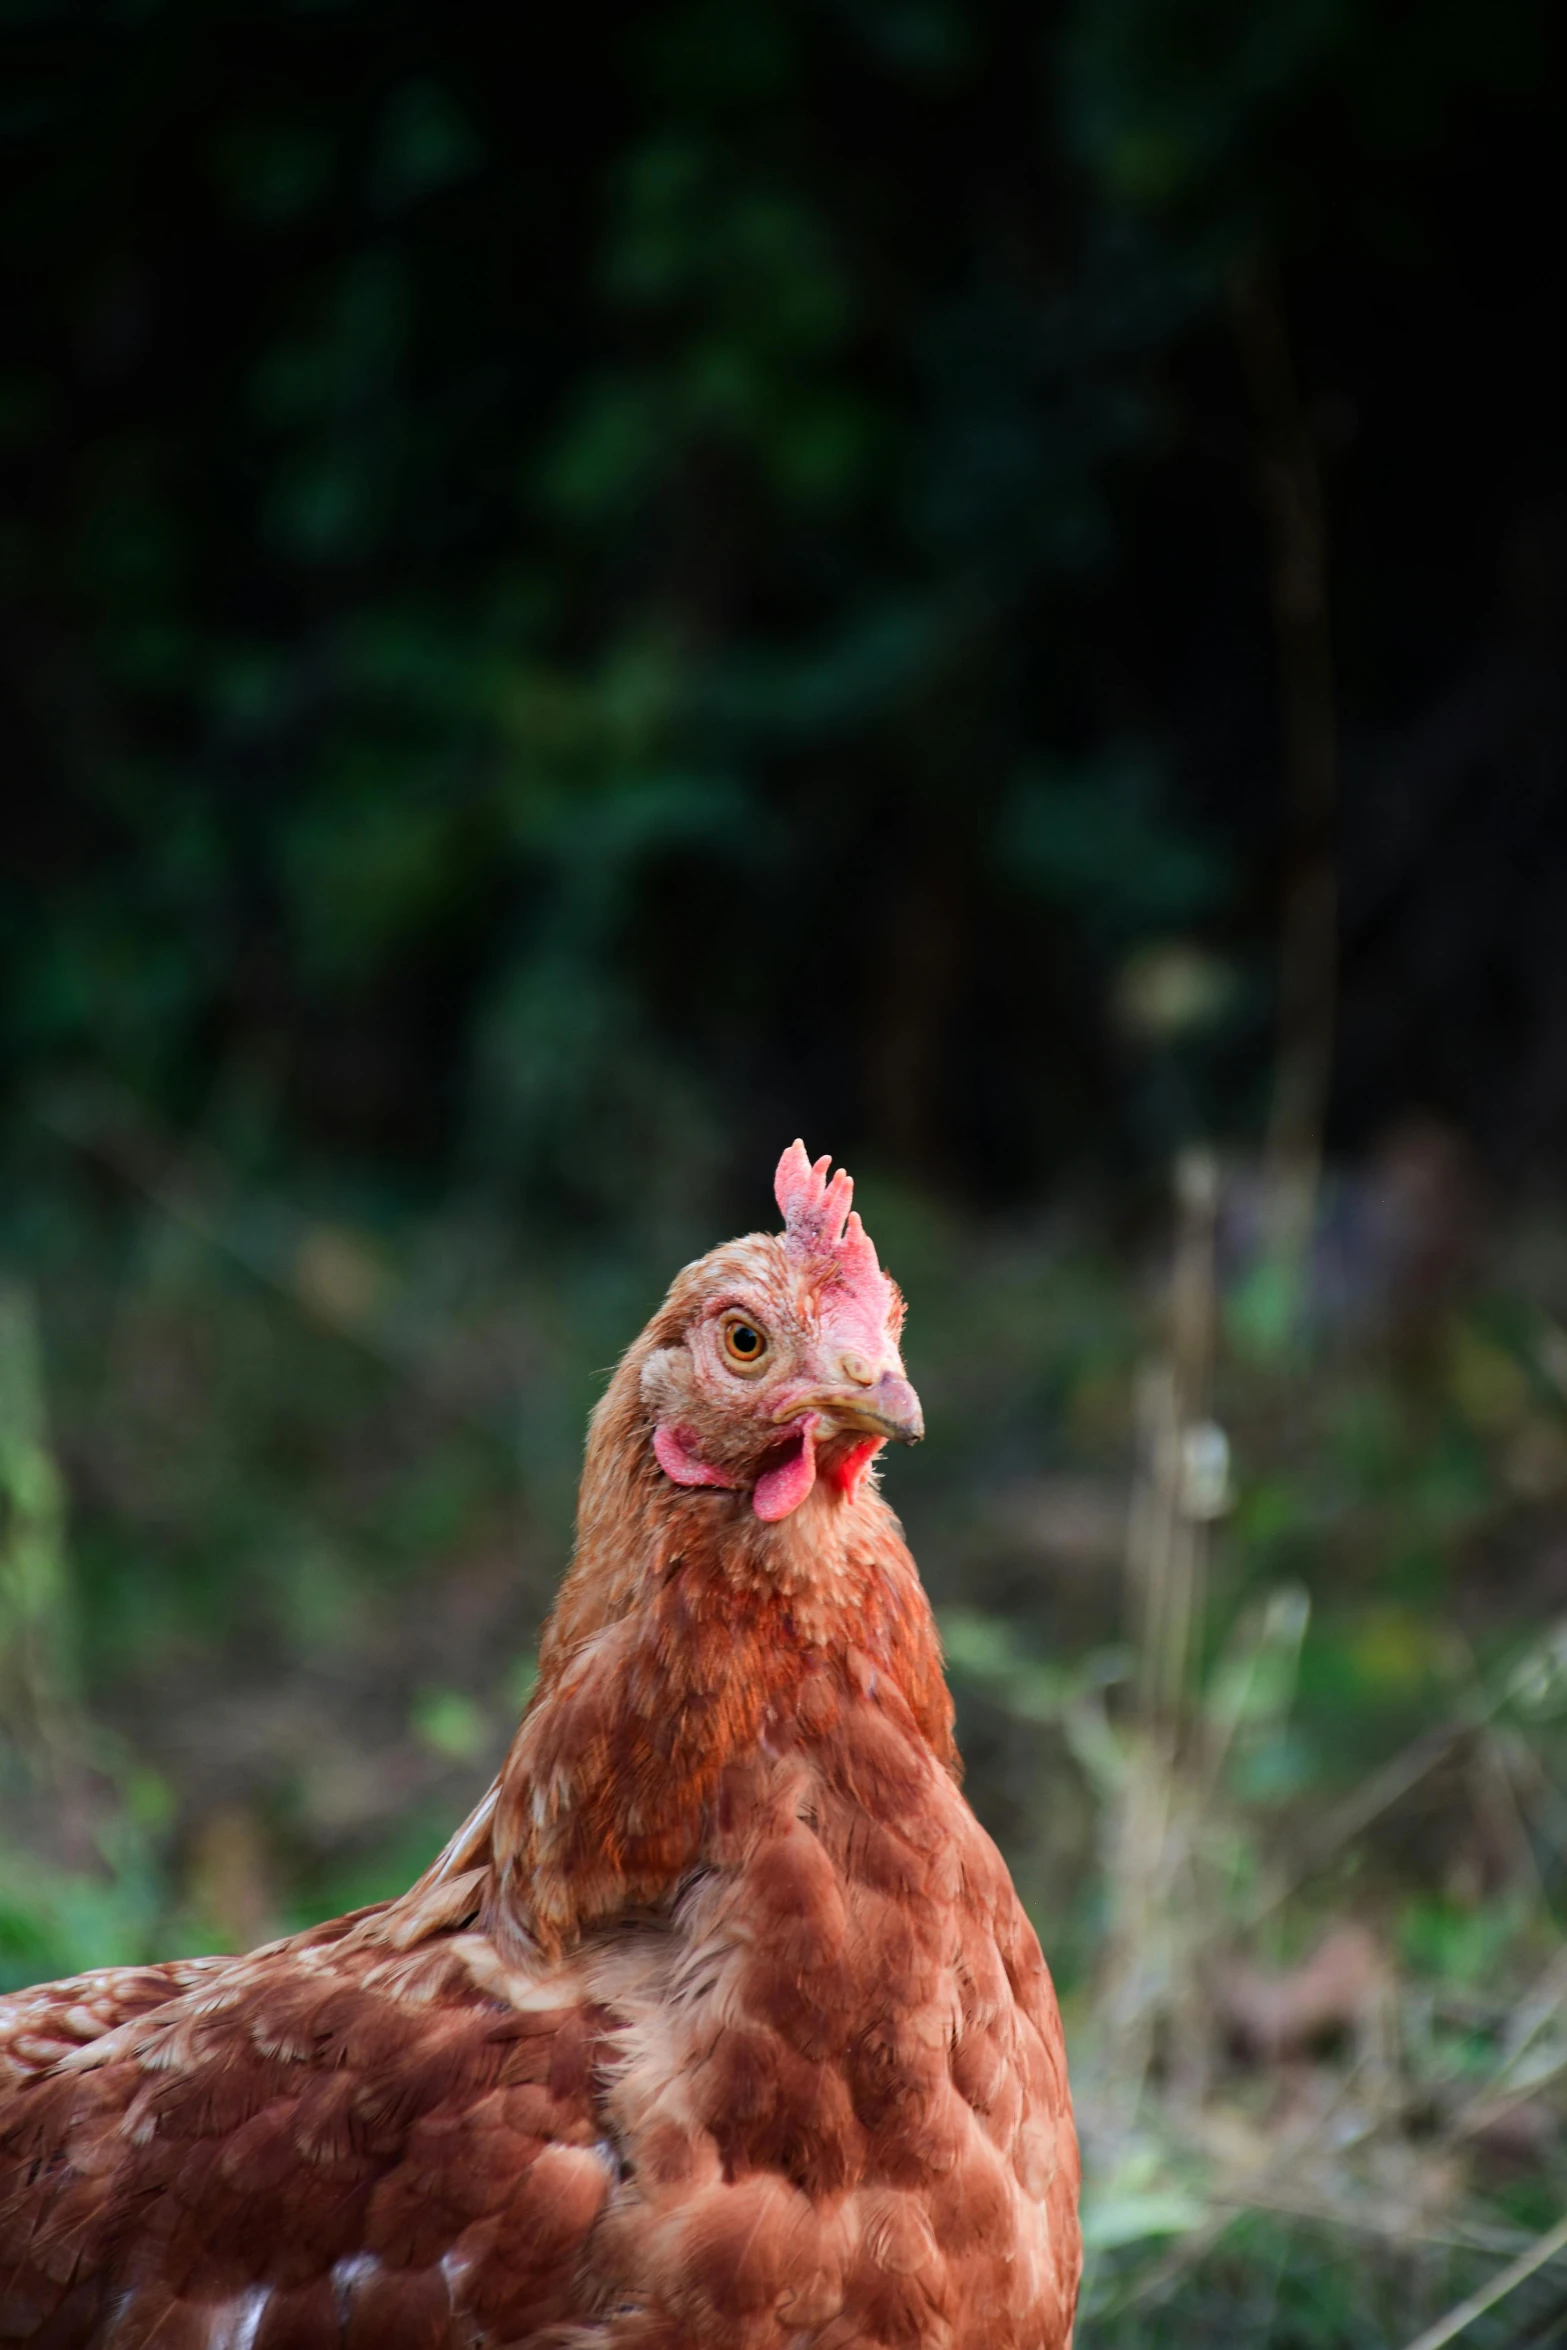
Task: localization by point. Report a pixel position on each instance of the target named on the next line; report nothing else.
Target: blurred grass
(320, 1459)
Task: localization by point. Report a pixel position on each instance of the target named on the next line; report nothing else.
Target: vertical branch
(35, 1675)
(1171, 1507)
(920, 972)
(1192, 1319)
(1150, 1990)
(1289, 485)
(40, 1709)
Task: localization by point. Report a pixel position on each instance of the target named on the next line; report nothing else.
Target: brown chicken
(718, 2025)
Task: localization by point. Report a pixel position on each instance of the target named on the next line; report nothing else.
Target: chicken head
(781, 1360)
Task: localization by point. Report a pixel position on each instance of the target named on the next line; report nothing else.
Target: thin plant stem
(1506, 2280)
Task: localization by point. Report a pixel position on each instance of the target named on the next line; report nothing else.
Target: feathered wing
(40, 2027)
(332, 2143)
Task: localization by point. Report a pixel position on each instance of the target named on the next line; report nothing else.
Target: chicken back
(718, 2025)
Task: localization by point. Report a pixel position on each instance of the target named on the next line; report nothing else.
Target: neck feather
(687, 1636)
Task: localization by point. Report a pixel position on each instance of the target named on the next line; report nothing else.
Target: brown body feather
(718, 2025)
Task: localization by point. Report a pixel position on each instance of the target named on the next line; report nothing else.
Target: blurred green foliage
(564, 585)
(322, 1471)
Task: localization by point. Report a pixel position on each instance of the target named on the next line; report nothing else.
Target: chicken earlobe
(676, 1457)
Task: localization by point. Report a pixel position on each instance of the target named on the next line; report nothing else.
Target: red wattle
(783, 1489)
(849, 1473)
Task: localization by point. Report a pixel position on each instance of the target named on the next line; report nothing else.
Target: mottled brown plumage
(718, 2026)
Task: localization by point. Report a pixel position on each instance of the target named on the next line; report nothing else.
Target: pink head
(779, 1355)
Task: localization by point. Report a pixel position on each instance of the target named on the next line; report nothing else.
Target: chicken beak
(888, 1408)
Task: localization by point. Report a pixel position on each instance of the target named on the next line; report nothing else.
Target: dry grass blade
(1505, 2281)
(1382, 1790)
(1200, 2107)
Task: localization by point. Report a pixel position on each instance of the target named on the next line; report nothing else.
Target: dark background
(575, 575)
(584, 590)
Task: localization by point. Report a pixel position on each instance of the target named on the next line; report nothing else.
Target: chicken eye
(744, 1343)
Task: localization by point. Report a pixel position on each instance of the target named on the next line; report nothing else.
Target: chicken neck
(690, 1640)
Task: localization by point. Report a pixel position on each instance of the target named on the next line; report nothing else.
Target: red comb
(820, 1227)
